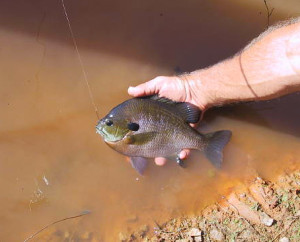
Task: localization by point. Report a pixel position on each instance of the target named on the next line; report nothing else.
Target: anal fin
(139, 164)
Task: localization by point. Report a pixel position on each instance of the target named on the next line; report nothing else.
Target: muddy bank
(262, 211)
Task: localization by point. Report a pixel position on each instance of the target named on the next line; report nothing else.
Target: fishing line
(80, 59)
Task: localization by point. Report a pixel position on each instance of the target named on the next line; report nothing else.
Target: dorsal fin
(190, 112)
(160, 99)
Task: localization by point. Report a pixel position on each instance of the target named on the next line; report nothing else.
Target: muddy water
(53, 165)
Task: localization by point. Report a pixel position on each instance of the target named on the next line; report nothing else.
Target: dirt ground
(263, 211)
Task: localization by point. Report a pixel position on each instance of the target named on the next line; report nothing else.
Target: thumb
(145, 89)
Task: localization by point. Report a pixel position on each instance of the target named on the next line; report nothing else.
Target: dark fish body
(157, 127)
(164, 129)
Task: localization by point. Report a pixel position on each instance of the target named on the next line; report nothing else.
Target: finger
(184, 154)
(148, 88)
(145, 89)
(160, 161)
(194, 125)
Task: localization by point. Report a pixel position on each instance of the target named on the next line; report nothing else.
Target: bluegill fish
(151, 127)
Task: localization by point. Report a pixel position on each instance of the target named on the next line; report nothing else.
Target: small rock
(259, 179)
(216, 235)
(266, 220)
(196, 234)
(284, 239)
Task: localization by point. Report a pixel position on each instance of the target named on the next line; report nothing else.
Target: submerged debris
(55, 222)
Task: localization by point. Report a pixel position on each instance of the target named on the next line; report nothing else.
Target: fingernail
(182, 155)
(130, 89)
(160, 161)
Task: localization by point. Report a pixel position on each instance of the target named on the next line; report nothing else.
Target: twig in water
(55, 222)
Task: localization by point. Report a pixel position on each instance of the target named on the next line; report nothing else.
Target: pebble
(284, 239)
(266, 220)
(196, 234)
(216, 235)
(243, 195)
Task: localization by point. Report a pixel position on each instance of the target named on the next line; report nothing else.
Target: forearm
(269, 67)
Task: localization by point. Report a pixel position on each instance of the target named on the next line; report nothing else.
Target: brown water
(53, 165)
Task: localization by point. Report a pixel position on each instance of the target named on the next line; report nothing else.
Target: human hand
(184, 88)
(178, 89)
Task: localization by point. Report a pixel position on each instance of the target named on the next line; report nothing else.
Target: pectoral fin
(140, 139)
(139, 164)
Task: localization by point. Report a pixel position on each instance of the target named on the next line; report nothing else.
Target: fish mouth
(104, 136)
(99, 131)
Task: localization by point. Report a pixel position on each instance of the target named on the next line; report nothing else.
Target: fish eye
(108, 122)
(133, 126)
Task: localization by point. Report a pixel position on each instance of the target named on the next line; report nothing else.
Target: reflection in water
(53, 165)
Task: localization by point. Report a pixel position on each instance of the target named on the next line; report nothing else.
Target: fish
(152, 126)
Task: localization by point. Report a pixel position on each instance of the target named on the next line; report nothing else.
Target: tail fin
(215, 145)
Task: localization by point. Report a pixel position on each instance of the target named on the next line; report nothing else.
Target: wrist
(219, 84)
